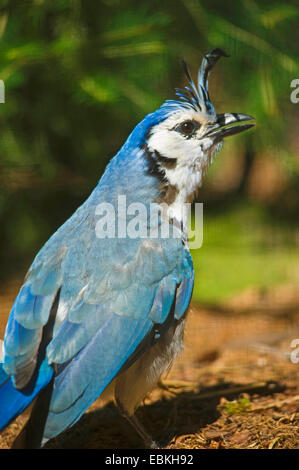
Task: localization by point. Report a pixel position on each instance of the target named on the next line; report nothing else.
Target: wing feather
(112, 294)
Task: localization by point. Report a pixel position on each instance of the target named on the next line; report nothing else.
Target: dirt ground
(236, 385)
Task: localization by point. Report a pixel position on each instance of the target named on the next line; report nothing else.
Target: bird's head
(184, 134)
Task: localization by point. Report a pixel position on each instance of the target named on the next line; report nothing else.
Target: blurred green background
(79, 75)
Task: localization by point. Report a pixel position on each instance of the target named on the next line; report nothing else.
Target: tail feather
(12, 401)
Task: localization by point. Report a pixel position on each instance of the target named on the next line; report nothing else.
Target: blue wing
(13, 401)
(112, 293)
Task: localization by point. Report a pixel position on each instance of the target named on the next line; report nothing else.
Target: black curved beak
(226, 125)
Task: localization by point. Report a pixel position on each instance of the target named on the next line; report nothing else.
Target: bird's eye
(187, 128)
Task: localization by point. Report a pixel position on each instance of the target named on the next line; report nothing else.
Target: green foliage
(237, 406)
(243, 248)
(80, 74)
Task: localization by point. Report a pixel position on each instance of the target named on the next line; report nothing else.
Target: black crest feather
(197, 96)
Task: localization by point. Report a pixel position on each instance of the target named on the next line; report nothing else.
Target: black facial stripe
(148, 134)
(167, 162)
(154, 168)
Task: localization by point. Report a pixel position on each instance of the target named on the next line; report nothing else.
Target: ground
(234, 386)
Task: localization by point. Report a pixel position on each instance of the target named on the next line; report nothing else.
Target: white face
(181, 137)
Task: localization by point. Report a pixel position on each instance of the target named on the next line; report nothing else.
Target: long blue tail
(12, 401)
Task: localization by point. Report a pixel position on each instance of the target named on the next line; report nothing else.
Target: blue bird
(102, 315)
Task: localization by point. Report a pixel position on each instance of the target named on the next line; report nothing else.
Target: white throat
(184, 161)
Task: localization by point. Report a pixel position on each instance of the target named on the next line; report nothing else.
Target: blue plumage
(13, 401)
(101, 312)
(130, 287)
